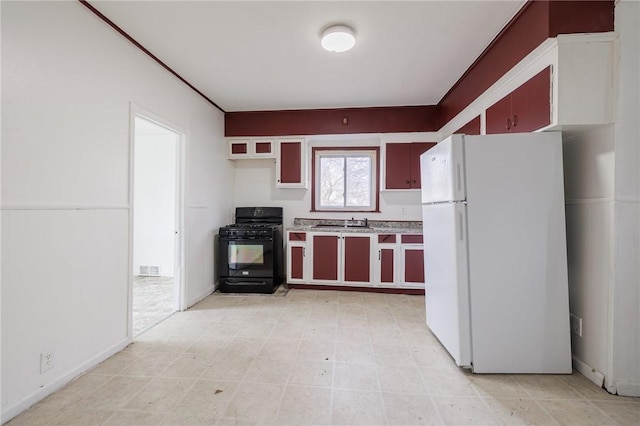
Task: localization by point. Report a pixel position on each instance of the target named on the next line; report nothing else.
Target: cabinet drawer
(387, 238)
(411, 239)
(297, 236)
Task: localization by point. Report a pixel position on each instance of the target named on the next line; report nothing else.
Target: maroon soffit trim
(123, 33)
(332, 121)
(568, 17)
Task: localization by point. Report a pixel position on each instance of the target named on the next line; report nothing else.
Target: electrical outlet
(576, 325)
(46, 361)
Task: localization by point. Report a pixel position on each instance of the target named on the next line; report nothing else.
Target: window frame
(346, 150)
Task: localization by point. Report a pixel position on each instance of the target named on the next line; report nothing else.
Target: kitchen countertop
(375, 226)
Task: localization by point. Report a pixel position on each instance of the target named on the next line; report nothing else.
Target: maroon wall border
(590, 16)
(331, 121)
(409, 291)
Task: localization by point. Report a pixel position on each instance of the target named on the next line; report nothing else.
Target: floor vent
(150, 271)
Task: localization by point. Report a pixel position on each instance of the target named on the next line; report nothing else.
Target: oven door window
(252, 258)
(246, 254)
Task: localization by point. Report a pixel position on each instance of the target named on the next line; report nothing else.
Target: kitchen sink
(324, 225)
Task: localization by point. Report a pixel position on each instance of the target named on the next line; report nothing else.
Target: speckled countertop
(374, 226)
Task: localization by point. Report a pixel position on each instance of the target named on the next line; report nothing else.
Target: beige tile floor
(153, 301)
(312, 357)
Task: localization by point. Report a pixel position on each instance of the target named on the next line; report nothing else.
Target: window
(345, 179)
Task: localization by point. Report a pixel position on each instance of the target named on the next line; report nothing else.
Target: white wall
(602, 186)
(589, 159)
(67, 84)
(154, 207)
(624, 376)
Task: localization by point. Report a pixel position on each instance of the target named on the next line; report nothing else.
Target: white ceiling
(266, 55)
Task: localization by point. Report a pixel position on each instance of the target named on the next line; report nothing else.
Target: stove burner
(253, 225)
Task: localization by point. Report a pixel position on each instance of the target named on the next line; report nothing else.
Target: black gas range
(251, 257)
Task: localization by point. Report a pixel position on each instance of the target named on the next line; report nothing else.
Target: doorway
(156, 193)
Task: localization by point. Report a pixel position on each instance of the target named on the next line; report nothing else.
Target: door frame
(180, 277)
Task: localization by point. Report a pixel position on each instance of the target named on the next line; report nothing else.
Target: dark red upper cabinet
(531, 103)
(290, 170)
(397, 172)
(526, 109)
(402, 165)
(416, 150)
(499, 116)
(291, 165)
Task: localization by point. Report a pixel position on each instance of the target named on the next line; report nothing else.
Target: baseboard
(587, 371)
(43, 392)
(206, 293)
(625, 388)
(410, 291)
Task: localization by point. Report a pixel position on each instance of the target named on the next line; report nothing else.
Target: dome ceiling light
(338, 38)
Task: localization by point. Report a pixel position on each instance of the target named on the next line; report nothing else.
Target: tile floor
(312, 357)
(153, 301)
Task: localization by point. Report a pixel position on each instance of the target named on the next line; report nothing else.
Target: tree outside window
(345, 180)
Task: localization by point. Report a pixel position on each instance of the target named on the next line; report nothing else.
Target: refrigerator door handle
(458, 176)
(461, 226)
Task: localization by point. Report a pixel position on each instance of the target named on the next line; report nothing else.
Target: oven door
(246, 258)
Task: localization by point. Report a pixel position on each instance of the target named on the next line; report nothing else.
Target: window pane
(331, 181)
(358, 181)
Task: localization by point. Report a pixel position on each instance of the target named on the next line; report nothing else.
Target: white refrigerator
(495, 252)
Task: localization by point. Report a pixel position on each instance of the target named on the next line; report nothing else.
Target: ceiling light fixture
(338, 38)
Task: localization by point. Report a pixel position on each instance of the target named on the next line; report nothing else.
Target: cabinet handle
(414, 181)
(304, 252)
(508, 124)
(515, 120)
(379, 254)
(408, 181)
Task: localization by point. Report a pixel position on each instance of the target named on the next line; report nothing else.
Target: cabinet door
(412, 253)
(531, 103)
(297, 263)
(416, 150)
(385, 260)
(498, 116)
(291, 164)
(239, 148)
(386, 257)
(357, 258)
(326, 254)
(397, 169)
(263, 148)
(413, 259)
(296, 257)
